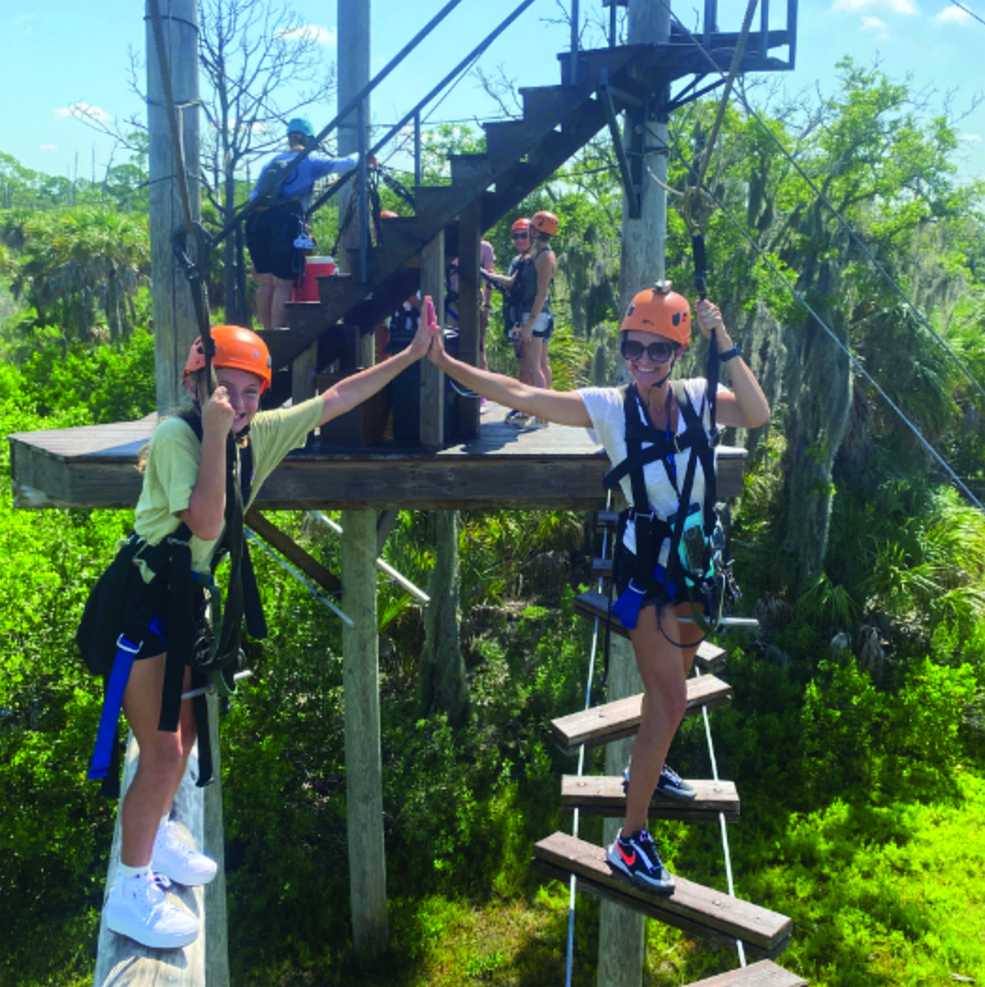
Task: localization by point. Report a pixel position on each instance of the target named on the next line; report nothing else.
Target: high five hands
(427, 331)
(436, 352)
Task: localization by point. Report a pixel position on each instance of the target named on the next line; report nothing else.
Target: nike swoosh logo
(629, 861)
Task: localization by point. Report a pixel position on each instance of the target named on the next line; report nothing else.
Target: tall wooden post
(621, 930)
(433, 380)
(174, 317)
(363, 770)
(469, 233)
(644, 239)
(353, 46)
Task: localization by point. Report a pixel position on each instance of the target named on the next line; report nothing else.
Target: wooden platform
(761, 974)
(550, 468)
(613, 721)
(592, 604)
(696, 910)
(603, 795)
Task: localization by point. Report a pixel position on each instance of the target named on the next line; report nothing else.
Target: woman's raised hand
(709, 317)
(427, 329)
(436, 353)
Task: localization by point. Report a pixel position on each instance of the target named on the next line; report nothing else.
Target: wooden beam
(615, 720)
(304, 367)
(363, 769)
(761, 974)
(603, 795)
(592, 604)
(693, 908)
(120, 960)
(286, 545)
(432, 432)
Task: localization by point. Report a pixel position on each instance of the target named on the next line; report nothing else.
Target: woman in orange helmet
(180, 518)
(529, 295)
(651, 411)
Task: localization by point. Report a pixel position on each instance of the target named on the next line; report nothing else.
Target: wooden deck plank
(695, 909)
(761, 974)
(592, 604)
(550, 468)
(603, 795)
(613, 721)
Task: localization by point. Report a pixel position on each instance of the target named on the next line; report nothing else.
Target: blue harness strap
(126, 653)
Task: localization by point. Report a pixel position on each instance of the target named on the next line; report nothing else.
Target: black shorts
(656, 596)
(270, 236)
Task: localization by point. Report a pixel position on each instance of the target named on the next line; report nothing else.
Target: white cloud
(81, 111)
(325, 36)
(873, 24)
(884, 6)
(970, 138)
(47, 147)
(953, 15)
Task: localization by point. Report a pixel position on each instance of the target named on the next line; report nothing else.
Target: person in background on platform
(182, 503)
(654, 332)
(275, 229)
(528, 296)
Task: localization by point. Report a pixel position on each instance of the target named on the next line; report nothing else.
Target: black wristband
(730, 354)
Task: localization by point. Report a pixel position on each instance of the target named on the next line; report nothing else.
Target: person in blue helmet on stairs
(275, 228)
(660, 438)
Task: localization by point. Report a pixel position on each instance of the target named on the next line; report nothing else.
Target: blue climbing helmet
(299, 125)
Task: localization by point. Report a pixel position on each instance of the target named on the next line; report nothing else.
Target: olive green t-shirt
(173, 461)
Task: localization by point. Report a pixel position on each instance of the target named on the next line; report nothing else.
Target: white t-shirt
(605, 407)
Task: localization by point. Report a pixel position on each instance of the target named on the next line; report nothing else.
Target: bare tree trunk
(442, 673)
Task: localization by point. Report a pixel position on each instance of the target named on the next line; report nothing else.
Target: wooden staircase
(520, 155)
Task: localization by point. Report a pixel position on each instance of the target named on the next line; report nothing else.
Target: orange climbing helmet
(660, 311)
(235, 347)
(522, 225)
(544, 222)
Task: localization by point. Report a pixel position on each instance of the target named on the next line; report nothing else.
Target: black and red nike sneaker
(637, 857)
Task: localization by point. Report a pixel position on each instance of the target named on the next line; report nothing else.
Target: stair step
(603, 795)
(543, 100)
(592, 604)
(509, 140)
(615, 720)
(471, 169)
(592, 61)
(761, 974)
(694, 909)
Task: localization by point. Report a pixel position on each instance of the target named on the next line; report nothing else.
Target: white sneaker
(179, 862)
(138, 908)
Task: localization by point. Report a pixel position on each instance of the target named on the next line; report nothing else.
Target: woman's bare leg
(278, 305)
(265, 298)
(530, 359)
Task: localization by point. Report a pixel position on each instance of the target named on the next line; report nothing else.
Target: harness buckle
(124, 644)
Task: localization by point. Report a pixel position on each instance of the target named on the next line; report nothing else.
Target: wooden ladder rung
(596, 795)
(592, 604)
(615, 720)
(761, 974)
(694, 909)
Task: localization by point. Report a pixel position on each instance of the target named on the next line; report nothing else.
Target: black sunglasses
(658, 352)
(521, 236)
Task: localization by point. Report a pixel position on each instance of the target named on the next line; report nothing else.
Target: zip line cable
(856, 363)
(824, 199)
(968, 11)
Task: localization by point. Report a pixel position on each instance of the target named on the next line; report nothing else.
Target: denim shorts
(543, 324)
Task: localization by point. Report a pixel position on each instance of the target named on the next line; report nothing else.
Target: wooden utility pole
(644, 239)
(363, 769)
(432, 379)
(174, 317)
(621, 930)
(353, 46)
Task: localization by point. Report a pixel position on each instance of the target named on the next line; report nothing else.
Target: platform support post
(469, 234)
(364, 783)
(432, 379)
(621, 930)
(216, 926)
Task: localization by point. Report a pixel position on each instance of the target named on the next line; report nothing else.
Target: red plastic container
(314, 268)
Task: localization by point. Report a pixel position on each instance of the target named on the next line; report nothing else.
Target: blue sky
(62, 53)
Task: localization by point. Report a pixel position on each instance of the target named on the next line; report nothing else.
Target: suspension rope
(968, 11)
(573, 883)
(824, 199)
(856, 363)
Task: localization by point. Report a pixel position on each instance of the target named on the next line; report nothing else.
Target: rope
(721, 822)
(968, 11)
(841, 220)
(856, 363)
(573, 884)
